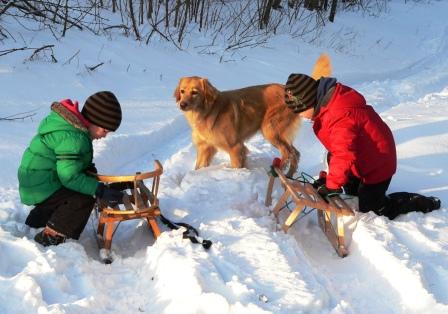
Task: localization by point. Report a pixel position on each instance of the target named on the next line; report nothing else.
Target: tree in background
(227, 24)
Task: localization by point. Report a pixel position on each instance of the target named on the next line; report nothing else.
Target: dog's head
(195, 93)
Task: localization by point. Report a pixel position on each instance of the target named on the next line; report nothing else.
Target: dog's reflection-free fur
(226, 119)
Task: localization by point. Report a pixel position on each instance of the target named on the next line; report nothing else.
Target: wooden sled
(139, 202)
(304, 195)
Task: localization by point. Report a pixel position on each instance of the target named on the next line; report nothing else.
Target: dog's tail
(322, 67)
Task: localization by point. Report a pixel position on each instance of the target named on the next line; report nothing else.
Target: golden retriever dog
(224, 120)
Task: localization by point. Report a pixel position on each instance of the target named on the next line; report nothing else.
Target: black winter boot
(428, 203)
(404, 202)
(49, 237)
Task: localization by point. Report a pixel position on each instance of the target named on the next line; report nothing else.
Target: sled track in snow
(227, 207)
(141, 149)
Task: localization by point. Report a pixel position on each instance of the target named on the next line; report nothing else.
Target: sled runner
(139, 202)
(303, 195)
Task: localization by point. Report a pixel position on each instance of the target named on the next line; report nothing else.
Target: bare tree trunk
(201, 17)
(334, 4)
(134, 24)
(176, 13)
(141, 12)
(65, 19)
(150, 9)
(184, 22)
(266, 14)
(167, 15)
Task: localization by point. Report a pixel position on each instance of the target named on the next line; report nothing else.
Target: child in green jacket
(53, 172)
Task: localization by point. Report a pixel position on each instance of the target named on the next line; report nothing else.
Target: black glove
(112, 196)
(326, 192)
(120, 186)
(321, 181)
(91, 168)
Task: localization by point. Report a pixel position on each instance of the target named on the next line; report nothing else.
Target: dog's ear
(176, 93)
(210, 92)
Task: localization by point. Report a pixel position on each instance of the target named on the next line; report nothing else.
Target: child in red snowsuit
(362, 157)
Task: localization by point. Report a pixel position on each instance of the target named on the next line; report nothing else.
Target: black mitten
(326, 192)
(91, 168)
(321, 181)
(112, 196)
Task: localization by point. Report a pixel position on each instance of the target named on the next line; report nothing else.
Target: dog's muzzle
(183, 105)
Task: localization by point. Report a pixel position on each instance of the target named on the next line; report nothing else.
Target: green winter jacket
(57, 156)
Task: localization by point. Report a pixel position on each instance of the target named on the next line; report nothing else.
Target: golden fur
(226, 119)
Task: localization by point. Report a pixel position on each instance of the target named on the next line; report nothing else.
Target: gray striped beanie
(300, 92)
(103, 110)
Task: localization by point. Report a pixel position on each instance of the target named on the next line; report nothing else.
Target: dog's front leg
(205, 153)
(294, 156)
(238, 155)
(289, 154)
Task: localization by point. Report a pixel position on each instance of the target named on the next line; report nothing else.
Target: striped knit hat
(103, 110)
(300, 92)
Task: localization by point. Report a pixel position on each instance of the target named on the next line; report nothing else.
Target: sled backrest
(137, 196)
(329, 212)
(305, 194)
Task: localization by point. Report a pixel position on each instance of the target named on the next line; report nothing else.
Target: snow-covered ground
(398, 61)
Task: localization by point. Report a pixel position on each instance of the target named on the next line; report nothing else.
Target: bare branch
(71, 58)
(36, 52)
(8, 51)
(19, 116)
(93, 68)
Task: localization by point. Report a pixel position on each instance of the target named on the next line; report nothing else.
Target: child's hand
(91, 169)
(326, 192)
(112, 196)
(321, 181)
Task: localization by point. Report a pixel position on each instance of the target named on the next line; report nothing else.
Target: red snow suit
(359, 141)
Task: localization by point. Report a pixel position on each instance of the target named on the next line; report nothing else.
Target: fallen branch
(50, 47)
(19, 116)
(36, 51)
(7, 51)
(117, 26)
(71, 58)
(93, 68)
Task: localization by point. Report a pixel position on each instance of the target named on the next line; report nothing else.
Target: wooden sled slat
(139, 202)
(330, 214)
(131, 178)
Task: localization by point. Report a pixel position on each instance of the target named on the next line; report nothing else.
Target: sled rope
(330, 211)
(307, 210)
(191, 233)
(303, 178)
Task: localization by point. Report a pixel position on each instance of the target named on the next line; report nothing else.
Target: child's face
(97, 132)
(307, 114)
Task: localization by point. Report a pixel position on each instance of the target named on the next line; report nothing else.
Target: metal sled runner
(303, 195)
(139, 202)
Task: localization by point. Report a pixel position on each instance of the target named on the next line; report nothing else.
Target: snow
(397, 60)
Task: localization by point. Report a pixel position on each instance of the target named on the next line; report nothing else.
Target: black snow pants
(65, 211)
(372, 197)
